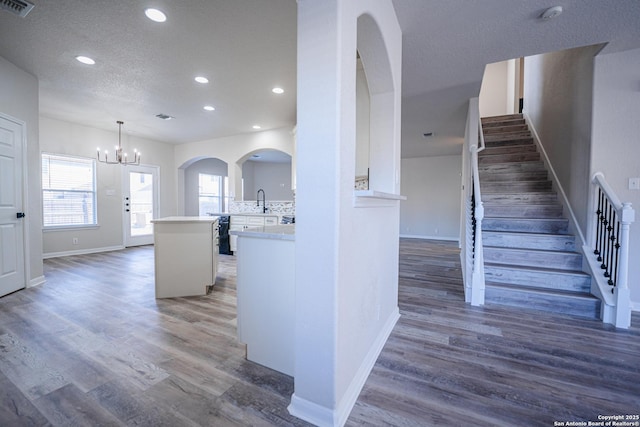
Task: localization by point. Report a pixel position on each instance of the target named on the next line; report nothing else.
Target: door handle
(20, 215)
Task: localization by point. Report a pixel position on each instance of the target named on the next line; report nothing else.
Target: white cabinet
(242, 222)
(186, 255)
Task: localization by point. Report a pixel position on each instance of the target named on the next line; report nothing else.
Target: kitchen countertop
(184, 219)
(274, 232)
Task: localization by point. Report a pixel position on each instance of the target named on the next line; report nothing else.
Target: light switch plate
(634, 183)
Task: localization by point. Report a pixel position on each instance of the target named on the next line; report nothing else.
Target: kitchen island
(266, 295)
(186, 255)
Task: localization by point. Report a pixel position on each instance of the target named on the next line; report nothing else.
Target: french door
(140, 203)
(12, 237)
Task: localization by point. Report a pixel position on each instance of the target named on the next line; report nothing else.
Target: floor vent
(17, 7)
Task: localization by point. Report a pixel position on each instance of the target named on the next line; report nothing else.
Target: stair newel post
(623, 310)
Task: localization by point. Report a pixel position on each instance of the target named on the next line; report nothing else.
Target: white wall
(558, 97)
(615, 139)
(60, 137)
(496, 92)
(432, 186)
(273, 178)
(346, 256)
(19, 99)
(192, 182)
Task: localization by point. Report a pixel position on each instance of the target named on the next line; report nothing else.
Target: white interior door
(12, 265)
(140, 204)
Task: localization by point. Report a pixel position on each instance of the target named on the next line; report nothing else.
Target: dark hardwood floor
(92, 346)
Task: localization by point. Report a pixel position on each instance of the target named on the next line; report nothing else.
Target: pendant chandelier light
(120, 156)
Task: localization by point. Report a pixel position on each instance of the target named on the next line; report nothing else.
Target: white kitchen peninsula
(266, 295)
(186, 255)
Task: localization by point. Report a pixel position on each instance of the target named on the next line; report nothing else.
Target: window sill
(69, 227)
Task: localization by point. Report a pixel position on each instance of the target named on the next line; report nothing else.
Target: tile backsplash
(274, 207)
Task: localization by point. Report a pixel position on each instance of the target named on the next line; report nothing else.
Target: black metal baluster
(615, 264)
(596, 250)
(601, 228)
(612, 239)
(605, 243)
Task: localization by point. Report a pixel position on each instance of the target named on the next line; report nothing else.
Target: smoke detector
(551, 13)
(17, 7)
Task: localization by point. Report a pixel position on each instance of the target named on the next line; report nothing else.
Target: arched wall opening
(269, 170)
(375, 109)
(205, 186)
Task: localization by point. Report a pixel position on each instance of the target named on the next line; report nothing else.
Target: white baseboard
(81, 252)
(436, 237)
(323, 416)
(36, 281)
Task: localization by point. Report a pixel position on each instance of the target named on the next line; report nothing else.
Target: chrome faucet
(264, 201)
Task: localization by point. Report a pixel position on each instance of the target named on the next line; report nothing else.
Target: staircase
(530, 259)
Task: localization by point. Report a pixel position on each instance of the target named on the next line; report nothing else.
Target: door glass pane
(141, 200)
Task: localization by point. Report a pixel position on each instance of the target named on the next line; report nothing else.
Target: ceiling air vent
(17, 7)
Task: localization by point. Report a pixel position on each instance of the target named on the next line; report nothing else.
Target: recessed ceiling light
(256, 127)
(209, 107)
(85, 60)
(277, 90)
(201, 79)
(155, 15)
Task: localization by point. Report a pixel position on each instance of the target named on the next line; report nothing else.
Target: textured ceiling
(447, 43)
(246, 47)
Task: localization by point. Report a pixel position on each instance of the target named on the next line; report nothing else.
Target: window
(68, 191)
(209, 194)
